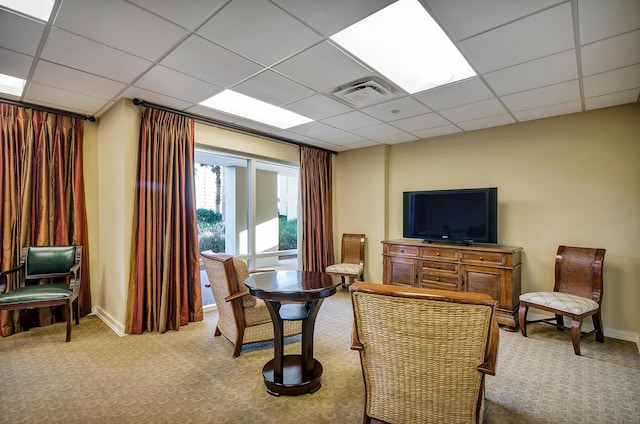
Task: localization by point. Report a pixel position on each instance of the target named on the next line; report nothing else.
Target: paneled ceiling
(534, 59)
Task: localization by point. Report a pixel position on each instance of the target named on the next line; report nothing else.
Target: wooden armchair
(47, 265)
(242, 318)
(424, 353)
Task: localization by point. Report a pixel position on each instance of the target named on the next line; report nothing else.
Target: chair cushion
(354, 269)
(50, 259)
(561, 301)
(36, 292)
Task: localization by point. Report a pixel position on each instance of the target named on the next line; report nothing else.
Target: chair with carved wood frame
(351, 264)
(577, 294)
(424, 352)
(44, 267)
(242, 318)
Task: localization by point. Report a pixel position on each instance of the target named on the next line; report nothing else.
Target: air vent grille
(365, 92)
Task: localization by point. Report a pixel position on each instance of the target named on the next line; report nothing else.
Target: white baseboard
(587, 325)
(110, 321)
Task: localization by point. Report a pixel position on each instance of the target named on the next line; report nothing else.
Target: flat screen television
(461, 216)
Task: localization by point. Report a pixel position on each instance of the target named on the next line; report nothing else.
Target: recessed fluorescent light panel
(247, 107)
(11, 85)
(404, 43)
(40, 9)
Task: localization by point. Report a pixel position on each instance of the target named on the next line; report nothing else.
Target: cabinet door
(479, 279)
(400, 271)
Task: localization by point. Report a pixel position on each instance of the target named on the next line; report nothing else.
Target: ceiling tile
(619, 98)
(259, 30)
(204, 60)
(273, 88)
(537, 73)
(314, 129)
(259, 126)
(292, 136)
(420, 122)
(15, 64)
(545, 96)
(318, 107)
(397, 109)
(157, 98)
(548, 111)
(478, 110)
(63, 99)
(331, 68)
(611, 53)
(535, 36)
(343, 138)
(613, 81)
(470, 90)
(384, 133)
(19, 34)
(351, 121)
(600, 19)
(438, 131)
(138, 32)
(54, 75)
(189, 14)
(86, 55)
(492, 121)
(331, 16)
(175, 84)
(464, 18)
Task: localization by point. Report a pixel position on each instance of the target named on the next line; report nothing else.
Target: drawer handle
(481, 258)
(437, 278)
(438, 267)
(438, 254)
(401, 250)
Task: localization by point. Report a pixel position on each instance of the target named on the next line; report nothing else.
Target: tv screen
(462, 216)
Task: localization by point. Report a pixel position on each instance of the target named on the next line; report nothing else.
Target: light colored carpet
(188, 376)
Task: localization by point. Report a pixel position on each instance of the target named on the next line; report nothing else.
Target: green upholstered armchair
(46, 267)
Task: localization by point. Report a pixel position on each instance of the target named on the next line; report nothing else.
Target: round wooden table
(292, 374)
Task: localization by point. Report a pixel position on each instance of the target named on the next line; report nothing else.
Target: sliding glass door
(247, 208)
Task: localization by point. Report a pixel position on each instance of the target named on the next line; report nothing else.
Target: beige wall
(116, 175)
(572, 179)
(359, 203)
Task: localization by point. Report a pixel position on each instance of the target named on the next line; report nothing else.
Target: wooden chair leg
(237, 346)
(576, 333)
(597, 324)
(559, 322)
(69, 319)
(77, 309)
(522, 317)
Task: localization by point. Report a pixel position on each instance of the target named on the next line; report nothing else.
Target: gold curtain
(317, 216)
(164, 279)
(42, 197)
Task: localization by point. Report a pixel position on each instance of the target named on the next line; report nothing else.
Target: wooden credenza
(478, 268)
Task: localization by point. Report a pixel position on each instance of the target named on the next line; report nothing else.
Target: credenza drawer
(433, 266)
(439, 281)
(489, 258)
(439, 253)
(402, 250)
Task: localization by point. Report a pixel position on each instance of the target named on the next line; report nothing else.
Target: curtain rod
(47, 109)
(229, 126)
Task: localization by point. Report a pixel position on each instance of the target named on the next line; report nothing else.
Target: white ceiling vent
(366, 92)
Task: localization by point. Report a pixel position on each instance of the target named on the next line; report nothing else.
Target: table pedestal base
(295, 381)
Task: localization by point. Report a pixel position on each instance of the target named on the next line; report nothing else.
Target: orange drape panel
(317, 217)
(42, 195)
(164, 280)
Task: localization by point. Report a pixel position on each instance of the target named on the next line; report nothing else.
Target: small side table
(292, 375)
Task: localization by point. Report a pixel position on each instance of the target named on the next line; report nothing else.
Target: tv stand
(479, 268)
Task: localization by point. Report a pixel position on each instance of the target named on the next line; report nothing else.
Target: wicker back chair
(424, 353)
(242, 318)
